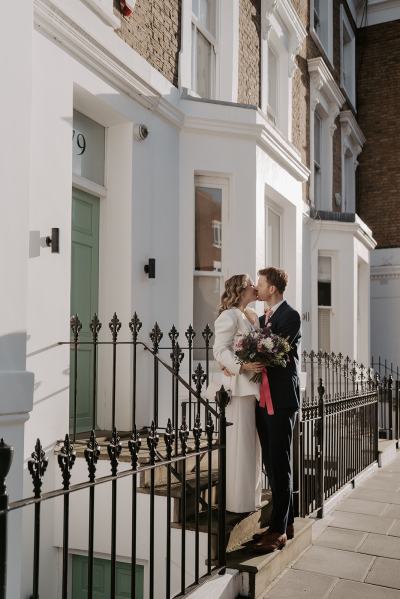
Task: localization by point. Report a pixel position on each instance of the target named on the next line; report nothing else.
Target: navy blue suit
(276, 431)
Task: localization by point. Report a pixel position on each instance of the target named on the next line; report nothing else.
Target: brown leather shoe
(289, 533)
(270, 542)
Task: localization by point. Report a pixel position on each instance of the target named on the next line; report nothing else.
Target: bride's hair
(234, 288)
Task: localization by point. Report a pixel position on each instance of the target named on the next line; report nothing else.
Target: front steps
(258, 571)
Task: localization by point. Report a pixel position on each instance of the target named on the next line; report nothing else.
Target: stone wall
(249, 91)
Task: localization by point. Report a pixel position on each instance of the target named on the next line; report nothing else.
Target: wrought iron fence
(389, 398)
(183, 462)
(337, 434)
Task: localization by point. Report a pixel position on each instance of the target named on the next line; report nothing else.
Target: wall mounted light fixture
(54, 240)
(150, 268)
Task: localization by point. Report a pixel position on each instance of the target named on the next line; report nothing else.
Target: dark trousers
(276, 433)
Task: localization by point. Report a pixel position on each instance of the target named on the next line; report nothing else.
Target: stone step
(258, 571)
(387, 451)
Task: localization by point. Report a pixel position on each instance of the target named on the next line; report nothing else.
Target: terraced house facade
(155, 148)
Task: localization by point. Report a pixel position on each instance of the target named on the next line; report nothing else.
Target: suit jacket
(284, 382)
(227, 326)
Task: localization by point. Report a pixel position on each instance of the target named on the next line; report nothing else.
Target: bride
(243, 451)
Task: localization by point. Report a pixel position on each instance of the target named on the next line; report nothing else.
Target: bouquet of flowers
(262, 346)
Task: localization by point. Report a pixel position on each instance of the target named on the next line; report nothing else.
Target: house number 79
(80, 141)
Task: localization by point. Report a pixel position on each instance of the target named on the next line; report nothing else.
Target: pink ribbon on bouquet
(265, 394)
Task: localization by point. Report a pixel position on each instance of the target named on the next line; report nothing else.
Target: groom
(275, 424)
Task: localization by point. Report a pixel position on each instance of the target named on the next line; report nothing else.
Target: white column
(229, 50)
(16, 385)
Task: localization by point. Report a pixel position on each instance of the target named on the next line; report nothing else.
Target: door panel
(102, 579)
(84, 299)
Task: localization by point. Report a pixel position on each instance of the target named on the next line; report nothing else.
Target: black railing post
(37, 466)
(152, 442)
(114, 449)
(76, 327)
(6, 456)
(95, 327)
(222, 400)
(134, 325)
(176, 357)
(114, 326)
(134, 445)
(390, 405)
(296, 466)
(155, 335)
(183, 437)
(320, 449)
(376, 427)
(91, 453)
(66, 459)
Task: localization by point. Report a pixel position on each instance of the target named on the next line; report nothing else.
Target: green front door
(84, 300)
(102, 579)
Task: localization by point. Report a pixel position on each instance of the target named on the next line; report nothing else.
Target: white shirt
(275, 307)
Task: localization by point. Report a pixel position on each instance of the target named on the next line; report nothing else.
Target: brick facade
(154, 31)
(378, 116)
(249, 91)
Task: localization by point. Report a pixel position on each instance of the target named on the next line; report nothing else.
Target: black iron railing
(389, 398)
(168, 357)
(337, 433)
(172, 462)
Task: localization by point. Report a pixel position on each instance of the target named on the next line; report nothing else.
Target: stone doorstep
(258, 571)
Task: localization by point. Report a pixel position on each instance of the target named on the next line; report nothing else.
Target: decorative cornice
(323, 81)
(53, 22)
(265, 135)
(297, 33)
(358, 229)
(385, 272)
(351, 129)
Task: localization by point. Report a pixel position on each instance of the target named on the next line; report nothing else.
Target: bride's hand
(252, 367)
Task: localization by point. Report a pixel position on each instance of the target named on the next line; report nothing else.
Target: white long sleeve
(226, 326)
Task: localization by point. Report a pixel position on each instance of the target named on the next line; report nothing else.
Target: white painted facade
(69, 58)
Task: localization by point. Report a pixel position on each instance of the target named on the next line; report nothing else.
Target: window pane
(317, 139)
(316, 16)
(203, 62)
(195, 7)
(349, 175)
(206, 298)
(208, 227)
(272, 84)
(324, 294)
(324, 268)
(207, 15)
(274, 239)
(88, 148)
(324, 330)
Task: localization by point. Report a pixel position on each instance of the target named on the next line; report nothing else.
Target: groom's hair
(275, 276)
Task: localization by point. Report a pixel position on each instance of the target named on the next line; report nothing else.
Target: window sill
(321, 47)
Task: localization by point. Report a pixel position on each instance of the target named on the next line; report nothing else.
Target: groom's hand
(225, 371)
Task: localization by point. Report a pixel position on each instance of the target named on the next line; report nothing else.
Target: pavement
(356, 548)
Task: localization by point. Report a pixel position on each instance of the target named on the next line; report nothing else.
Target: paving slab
(376, 495)
(335, 562)
(381, 545)
(378, 524)
(363, 506)
(296, 584)
(385, 572)
(340, 538)
(390, 483)
(358, 590)
(392, 511)
(394, 530)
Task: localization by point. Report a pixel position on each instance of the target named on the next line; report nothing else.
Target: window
(317, 160)
(324, 302)
(352, 143)
(347, 56)
(273, 237)
(273, 85)
(208, 275)
(321, 11)
(203, 47)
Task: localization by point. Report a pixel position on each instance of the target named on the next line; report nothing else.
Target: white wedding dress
(243, 451)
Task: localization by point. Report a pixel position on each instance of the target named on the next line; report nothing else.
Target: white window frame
(349, 87)
(327, 99)
(352, 141)
(324, 254)
(198, 27)
(274, 207)
(283, 32)
(328, 46)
